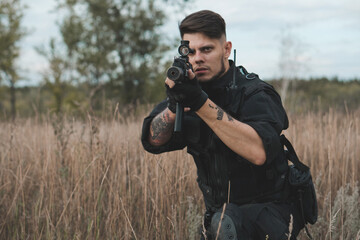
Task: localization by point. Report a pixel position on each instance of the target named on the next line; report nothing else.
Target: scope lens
(184, 50)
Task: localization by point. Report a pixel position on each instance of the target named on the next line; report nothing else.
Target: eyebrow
(206, 46)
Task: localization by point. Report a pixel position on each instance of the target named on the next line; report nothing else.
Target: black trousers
(261, 221)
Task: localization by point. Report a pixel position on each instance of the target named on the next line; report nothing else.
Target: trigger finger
(170, 83)
(191, 74)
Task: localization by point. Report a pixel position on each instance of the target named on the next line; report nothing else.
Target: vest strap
(291, 154)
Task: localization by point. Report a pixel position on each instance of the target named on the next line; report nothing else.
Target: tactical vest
(219, 169)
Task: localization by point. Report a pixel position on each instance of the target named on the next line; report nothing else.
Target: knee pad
(227, 228)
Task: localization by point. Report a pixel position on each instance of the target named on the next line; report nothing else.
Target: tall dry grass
(93, 180)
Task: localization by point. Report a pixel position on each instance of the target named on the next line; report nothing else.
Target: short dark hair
(207, 22)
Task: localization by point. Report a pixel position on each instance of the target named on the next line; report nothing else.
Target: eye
(191, 53)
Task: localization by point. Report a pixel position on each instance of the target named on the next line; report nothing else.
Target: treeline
(303, 95)
(40, 100)
(321, 94)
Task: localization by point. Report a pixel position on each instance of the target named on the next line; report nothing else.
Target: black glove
(188, 94)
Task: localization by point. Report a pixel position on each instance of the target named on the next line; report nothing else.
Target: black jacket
(251, 101)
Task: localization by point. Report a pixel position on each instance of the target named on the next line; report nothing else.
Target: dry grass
(329, 144)
(93, 180)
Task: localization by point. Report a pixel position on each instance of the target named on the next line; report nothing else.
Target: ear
(228, 46)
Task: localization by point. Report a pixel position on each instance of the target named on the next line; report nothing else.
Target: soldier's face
(210, 57)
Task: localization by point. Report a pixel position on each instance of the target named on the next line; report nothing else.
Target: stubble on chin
(216, 76)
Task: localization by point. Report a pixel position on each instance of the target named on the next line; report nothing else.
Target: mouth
(201, 70)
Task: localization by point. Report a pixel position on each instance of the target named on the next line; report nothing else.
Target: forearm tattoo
(161, 127)
(220, 113)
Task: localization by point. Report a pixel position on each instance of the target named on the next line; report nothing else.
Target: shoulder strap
(291, 154)
(244, 85)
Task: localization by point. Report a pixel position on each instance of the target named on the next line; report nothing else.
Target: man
(231, 127)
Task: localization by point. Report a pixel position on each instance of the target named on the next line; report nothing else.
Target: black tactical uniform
(258, 199)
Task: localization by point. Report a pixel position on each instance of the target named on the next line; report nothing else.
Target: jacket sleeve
(264, 112)
(175, 143)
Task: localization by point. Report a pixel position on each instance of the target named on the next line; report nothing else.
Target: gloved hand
(188, 94)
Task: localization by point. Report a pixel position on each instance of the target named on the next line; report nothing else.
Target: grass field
(93, 180)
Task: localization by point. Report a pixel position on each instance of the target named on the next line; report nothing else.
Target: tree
(55, 77)
(116, 43)
(11, 32)
(292, 59)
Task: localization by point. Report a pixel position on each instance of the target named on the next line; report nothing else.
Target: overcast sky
(325, 35)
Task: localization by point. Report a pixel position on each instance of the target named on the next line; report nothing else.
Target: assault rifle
(178, 72)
